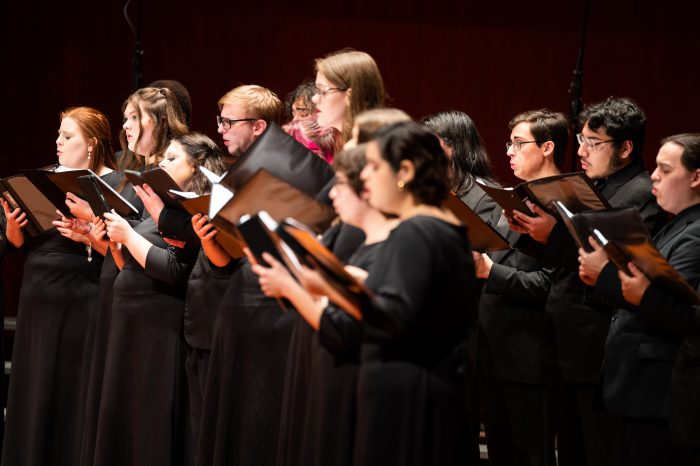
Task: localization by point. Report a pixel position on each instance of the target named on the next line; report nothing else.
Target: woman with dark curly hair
(410, 401)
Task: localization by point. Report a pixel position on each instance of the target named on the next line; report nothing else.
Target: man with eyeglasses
(611, 141)
(244, 114)
(515, 349)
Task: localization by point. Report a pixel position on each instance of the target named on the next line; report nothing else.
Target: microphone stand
(138, 51)
(576, 86)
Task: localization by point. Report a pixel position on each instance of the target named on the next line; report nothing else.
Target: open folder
(482, 236)
(649, 260)
(55, 184)
(616, 224)
(160, 182)
(295, 245)
(21, 193)
(264, 191)
(575, 190)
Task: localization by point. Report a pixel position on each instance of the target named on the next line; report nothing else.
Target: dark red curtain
(489, 59)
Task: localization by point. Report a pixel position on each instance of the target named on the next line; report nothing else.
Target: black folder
(283, 157)
(615, 224)
(161, 183)
(482, 236)
(575, 190)
(55, 185)
(264, 191)
(648, 259)
(294, 245)
(20, 192)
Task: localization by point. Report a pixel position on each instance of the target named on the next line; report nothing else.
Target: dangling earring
(401, 184)
(89, 153)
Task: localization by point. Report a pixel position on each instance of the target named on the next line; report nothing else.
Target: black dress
(329, 428)
(205, 289)
(410, 394)
(245, 378)
(343, 240)
(143, 405)
(57, 299)
(98, 332)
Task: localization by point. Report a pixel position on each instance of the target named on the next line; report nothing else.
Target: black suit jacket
(515, 341)
(481, 203)
(662, 310)
(639, 357)
(580, 322)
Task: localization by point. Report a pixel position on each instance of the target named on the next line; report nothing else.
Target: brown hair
(168, 120)
(350, 162)
(352, 69)
(201, 151)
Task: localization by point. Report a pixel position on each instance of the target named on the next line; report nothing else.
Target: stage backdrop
(489, 59)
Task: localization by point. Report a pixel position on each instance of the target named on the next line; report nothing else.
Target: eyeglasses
(517, 145)
(227, 122)
(589, 143)
(321, 93)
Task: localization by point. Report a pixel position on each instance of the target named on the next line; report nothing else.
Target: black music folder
(620, 223)
(648, 259)
(264, 191)
(482, 236)
(283, 157)
(20, 192)
(295, 245)
(575, 190)
(103, 197)
(55, 185)
(161, 183)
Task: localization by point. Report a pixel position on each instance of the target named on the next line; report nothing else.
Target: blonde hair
(258, 101)
(352, 69)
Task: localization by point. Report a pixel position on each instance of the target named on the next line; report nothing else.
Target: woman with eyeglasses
(410, 392)
(347, 82)
(57, 302)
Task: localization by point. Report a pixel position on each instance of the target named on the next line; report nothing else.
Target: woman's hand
(16, 221)
(359, 274)
(591, 263)
(72, 229)
(118, 229)
(151, 201)
(274, 280)
(78, 207)
(634, 287)
(98, 230)
(204, 230)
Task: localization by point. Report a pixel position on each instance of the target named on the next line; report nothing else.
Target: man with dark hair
(611, 141)
(515, 342)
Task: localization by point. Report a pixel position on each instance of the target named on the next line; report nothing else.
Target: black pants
(587, 435)
(517, 420)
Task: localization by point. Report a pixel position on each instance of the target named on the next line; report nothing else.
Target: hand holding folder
(623, 236)
(304, 256)
(575, 190)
